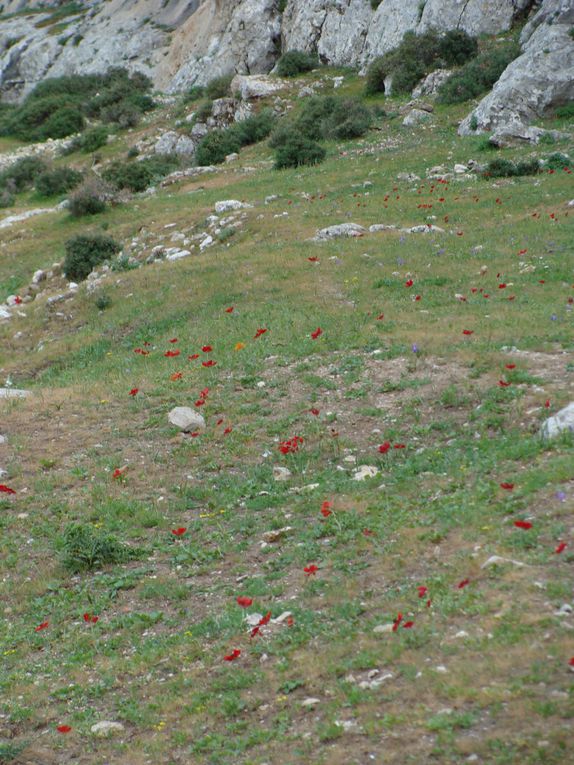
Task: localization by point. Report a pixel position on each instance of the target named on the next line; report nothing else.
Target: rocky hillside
(184, 42)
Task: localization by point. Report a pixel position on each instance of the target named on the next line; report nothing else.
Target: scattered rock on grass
(559, 423)
(341, 229)
(186, 419)
(13, 393)
(497, 560)
(281, 473)
(365, 471)
(230, 204)
(106, 728)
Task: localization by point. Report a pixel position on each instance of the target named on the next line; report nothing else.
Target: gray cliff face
(179, 43)
(540, 79)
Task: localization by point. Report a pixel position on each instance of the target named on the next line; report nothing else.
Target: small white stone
(106, 728)
(365, 471)
(186, 419)
(281, 473)
(310, 702)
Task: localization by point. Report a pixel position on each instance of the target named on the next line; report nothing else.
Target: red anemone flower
(384, 448)
(42, 626)
(134, 391)
(311, 570)
(316, 333)
(397, 621)
(507, 486)
(523, 525)
(463, 584)
(210, 363)
(179, 532)
(171, 354)
(235, 654)
(206, 348)
(326, 509)
(230, 309)
(6, 489)
(259, 332)
(244, 601)
(560, 547)
(63, 728)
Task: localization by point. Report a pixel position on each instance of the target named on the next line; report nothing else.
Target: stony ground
(366, 554)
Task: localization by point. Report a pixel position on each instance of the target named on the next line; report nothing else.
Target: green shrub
(194, 94)
(215, 146)
(478, 75)
(557, 161)
(22, 174)
(57, 107)
(102, 301)
(85, 548)
(86, 251)
(296, 62)
(138, 176)
(417, 56)
(91, 140)
(298, 150)
(204, 111)
(59, 180)
(566, 111)
(218, 87)
(255, 128)
(505, 168)
(88, 199)
(327, 117)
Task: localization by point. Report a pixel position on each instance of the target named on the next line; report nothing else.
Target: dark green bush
(22, 174)
(327, 117)
(557, 161)
(218, 87)
(298, 150)
(505, 168)
(194, 94)
(91, 140)
(456, 47)
(204, 111)
(57, 107)
(86, 251)
(88, 199)
(255, 128)
(138, 176)
(417, 56)
(566, 111)
(478, 75)
(216, 145)
(59, 180)
(296, 62)
(85, 548)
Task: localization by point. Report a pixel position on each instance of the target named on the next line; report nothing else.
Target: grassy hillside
(439, 355)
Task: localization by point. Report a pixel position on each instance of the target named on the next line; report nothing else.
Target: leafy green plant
(478, 75)
(86, 251)
(298, 150)
(138, 176)
(91, 140)
(58, 180)
(296, 62)
(215, 146)
(89, 198)
(22, 174)
(85, 548)
(557, 161)
(218, 87)
(505, 168)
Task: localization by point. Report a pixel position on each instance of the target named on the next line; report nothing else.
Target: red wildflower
(259, 332)
(326, 509)
(384, 448)
(502, 286)
(210, 363)
(523, 525)
(173, 340)
(179, 532)
(511, 366)
(244, 601)
(463, 584)
(134, 392)
(193, 356)
(422, 591)
(408, 625)
(171, 354)
(507, 486)
(235, 654)
(468, 332)
(547, 403)
(230, 309)
(380, 317)
(200, 402)
(315, 412)
(503, 384)
(368, 533)
(409, 283)
(397, 621)
(6, 489)
(265, 619)
(17, 299)
(206, 348)
(417, 298)
(176, 376)
(227, 431)
(400, 446)
(118, 473)
(311, 570)
(313, 259)
(91, 619)
(316, 333)
(291, 445)
(560, 548)
(290, 621)
(42, 626)
(63, 728)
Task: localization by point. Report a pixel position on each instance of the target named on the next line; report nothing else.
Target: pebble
(497, 560)
(13, 393)
(106, 728)
(186, 419)
(365, 471)
(310, 702)
(281, 473)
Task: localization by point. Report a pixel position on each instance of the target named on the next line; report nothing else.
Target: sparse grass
(154, 660)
